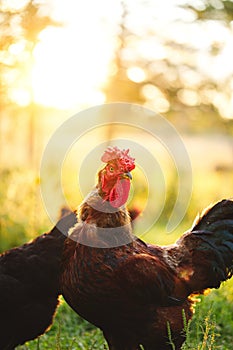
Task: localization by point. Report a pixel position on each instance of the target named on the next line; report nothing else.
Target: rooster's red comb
(123, 155)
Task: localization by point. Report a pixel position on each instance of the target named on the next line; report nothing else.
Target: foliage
(172, 81)
(219, 10)
(21, 215)
(19, 25)
(175, 81)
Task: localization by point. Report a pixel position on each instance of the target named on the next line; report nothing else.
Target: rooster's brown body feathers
(132, 291)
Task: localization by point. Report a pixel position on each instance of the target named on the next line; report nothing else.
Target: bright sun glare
(72, 62)
(65, 72)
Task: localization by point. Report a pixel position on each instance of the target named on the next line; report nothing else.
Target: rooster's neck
(97, 211)
(103, 225)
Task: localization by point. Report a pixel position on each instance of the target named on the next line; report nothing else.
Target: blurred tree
(20, 25)
(158, 66)
(33, 23)
(212, 9)
(120, 87)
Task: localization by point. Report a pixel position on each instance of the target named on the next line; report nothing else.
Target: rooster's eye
(111, 169)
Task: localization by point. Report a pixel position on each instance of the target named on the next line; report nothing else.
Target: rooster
(132, 290)
(29, 285)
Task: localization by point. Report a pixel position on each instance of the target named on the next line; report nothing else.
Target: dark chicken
(29, 286)
(132, 290)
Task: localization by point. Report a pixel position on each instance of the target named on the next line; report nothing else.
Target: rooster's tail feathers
(222, 210)
(207, 250)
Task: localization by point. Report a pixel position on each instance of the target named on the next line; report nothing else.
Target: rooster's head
(114, 178)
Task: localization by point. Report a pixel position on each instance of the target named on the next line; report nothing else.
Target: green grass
(212, 325)
(68, 332)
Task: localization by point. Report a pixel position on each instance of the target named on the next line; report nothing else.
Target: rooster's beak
(127, 175)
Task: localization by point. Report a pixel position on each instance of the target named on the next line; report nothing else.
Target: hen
(29, 286)
(132, 290)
